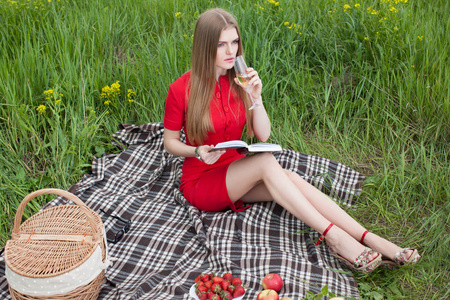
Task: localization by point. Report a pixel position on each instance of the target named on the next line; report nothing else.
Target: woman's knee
(266, 163)
(294, 177)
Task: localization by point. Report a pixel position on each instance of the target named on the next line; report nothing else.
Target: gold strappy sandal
(362, 263)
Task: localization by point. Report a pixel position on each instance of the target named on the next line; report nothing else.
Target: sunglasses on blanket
(121, 233)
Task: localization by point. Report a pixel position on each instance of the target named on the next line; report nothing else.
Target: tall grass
(362, 82)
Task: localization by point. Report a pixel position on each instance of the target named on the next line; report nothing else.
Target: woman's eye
(236, 41)
(220, 45)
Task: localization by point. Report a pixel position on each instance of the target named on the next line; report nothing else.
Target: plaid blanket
(171, 242)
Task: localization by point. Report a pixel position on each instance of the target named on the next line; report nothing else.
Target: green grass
(365, 85)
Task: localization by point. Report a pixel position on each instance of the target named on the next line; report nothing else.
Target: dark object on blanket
(58, 253)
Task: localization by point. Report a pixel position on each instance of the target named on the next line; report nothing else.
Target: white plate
(193, 295)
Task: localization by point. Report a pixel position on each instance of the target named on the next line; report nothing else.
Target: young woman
(212, 107)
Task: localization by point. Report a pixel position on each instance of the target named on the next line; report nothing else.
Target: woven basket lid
(55, 240)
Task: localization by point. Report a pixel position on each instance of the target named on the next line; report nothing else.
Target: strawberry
(197, 279)
(202, 288)
(225, 285)
(216, 288)
(236, 281)
(239, 291)
(231, 288)
(208, 284)
(215, 297)
(227, 276)
(226, 295)
(204, 277)
(217, 279)
(202, 295)
(209, 294)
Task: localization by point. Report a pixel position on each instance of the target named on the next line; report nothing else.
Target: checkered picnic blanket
(171, 242)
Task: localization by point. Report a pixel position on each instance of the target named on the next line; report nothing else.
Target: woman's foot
(393, 255)
(353, 254)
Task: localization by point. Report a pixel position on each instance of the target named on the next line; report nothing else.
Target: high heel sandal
(401, 258)
(362, 263)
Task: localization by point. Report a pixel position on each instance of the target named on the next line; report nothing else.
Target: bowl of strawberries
(209, 286)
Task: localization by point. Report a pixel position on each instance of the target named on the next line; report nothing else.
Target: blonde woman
(210, 105)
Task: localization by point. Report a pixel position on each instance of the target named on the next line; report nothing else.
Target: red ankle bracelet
(324, 233)
(364, 235)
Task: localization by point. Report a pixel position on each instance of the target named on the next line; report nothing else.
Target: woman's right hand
(207, 157)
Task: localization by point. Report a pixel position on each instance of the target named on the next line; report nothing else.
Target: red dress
(204, 186)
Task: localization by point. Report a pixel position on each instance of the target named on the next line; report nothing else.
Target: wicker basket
(55, 243)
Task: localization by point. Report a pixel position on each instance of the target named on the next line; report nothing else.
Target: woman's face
(227, 48)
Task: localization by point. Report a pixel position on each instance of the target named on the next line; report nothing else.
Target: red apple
(272, 282)
(268, 295)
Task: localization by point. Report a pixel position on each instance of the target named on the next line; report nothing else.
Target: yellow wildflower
(393, 9)
(420, 37)
(41, 109)
(107, 102)
(48, 94)
(357, 5)
(110, 92)
(346, 6)
(366, 38)
(286, 23)
(106, 91)
(130, 95)
(58, 101)
(115, 87)
(177, 15)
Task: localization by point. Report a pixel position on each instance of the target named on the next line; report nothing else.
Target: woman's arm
(173, 145)
(261, 121)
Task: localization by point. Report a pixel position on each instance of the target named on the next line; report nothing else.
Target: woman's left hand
(254, 87)
(209, 157)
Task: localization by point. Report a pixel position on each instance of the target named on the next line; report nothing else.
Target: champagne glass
(242, 76)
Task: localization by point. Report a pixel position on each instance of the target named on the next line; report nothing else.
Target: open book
(242, 147)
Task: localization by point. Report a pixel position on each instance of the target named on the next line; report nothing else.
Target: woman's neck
(219, 74)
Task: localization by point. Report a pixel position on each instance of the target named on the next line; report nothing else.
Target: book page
(264, 147)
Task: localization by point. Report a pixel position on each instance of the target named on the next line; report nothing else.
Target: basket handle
(65, 194)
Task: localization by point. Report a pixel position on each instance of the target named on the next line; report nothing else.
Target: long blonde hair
(209, 26)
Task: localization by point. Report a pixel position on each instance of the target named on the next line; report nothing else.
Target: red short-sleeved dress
(204, 186)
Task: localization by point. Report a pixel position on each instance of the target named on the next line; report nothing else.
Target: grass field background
(365, 83)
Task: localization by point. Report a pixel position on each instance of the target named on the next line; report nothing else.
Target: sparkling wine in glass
(242, 76)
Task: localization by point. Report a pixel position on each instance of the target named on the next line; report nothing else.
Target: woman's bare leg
(300, 198)
(245, 174)
(332, 211)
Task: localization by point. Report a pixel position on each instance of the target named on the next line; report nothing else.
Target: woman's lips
(230, 60)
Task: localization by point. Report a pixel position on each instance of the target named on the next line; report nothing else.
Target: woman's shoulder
(181, 82)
